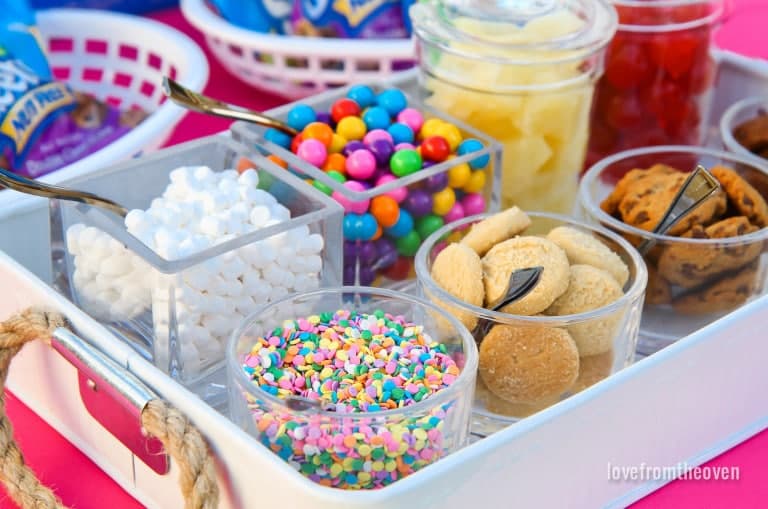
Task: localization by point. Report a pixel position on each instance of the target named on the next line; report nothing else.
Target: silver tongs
(699, 186)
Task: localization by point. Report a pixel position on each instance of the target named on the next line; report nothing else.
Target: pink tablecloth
(81, 484)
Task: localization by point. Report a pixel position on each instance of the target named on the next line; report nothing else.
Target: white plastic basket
(121, 59)
(293, 66)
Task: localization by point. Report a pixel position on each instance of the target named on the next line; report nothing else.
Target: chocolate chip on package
(44, 124)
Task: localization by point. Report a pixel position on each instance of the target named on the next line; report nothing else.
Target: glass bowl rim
(465, 378)
(727, 120)
(709, 19)
(634, 292)
(594, 210)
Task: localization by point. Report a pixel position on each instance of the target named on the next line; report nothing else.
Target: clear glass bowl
(179, 312)
(676, 305)
(433, 427)
(659, 77)
(616, 324)
(388, 260)
(736, 114)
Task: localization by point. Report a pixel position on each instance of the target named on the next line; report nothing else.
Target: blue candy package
(30, 100)
(268, 16)
(356, 19)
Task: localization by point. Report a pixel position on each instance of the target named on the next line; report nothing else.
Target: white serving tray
(683, 405)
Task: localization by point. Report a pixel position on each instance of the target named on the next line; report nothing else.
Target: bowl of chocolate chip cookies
(709, 263)
(574, 324)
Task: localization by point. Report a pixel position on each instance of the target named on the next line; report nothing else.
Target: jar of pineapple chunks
(524, 72)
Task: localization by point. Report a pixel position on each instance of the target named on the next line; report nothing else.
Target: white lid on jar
(517, 32)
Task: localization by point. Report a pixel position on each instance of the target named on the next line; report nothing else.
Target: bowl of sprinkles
(354, 387)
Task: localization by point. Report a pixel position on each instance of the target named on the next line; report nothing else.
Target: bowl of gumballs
(712, 260)
(564, 330)
(399, 169)
(213, 232)
(355, 387)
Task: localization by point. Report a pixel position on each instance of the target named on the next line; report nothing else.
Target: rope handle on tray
(179, 436)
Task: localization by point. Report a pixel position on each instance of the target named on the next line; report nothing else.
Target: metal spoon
(202, 104)
(521, 282)
(36, 188)
(699, 186)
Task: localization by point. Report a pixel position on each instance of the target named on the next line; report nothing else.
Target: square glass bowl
(604, 338)
(353, 450)
(426, 199)
(691, 281)
(179, 310)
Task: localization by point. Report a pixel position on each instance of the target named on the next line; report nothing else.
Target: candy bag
(44, 124)
(269, 16)
(356, 19)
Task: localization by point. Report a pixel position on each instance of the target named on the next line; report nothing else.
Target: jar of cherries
(658, 79)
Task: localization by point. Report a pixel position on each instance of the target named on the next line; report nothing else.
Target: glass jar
(523, 72)
(659, 75)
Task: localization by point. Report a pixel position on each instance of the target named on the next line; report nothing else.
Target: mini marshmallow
(249, 178)
(313, 263)
(218, 324)
(305, 283)
(275, 275)
(212, 226)
(259, 215)
(229, 175)
(312, 244)
(113, 266)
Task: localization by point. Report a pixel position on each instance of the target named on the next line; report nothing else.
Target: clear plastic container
(388, 260)
(659, 77)
(738, 113)
(179, 312)
(692, 281)
(605, 337)
(523, 72)
(315, 441)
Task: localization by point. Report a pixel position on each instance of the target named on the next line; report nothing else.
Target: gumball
(358, 206)
(363, 95)
(418, 202)
(366, 227)
(442, 201)
(429, 127)
(360, 164)
(435, 148)
(296, 142)
(386, 210)
(337, 176)
(351, 146)
(350, 275)
(435, 183)
(382, 150)
(320, 186)
(335, 162)
(377, 134)
(367, 253)
(349, 226)
(351, 128)
(318, 131)
(344, 108)
(459, 175)
(338, 143)
(473, 204)
(278, 137)
(323, 117)
(412, 118)
(428, 225)
(400, 269)
(351, 252)
(376, 118)
(387, 253)
(401, 133)
(403, 225)
(476, 182)
(451, 134)
(300, 116)
(266, 180)
(278, 161)
(365, 276)
(473, 145)
(405, 162)
(456, 213)
(408, 244)
(398, 193)
(392, 100)
(406, 146)
(378, 234)
(313, 152)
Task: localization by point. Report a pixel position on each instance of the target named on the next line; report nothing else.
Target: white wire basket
(120, 59)
(293, 66)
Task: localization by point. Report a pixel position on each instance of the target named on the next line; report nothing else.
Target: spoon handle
(36, 188)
